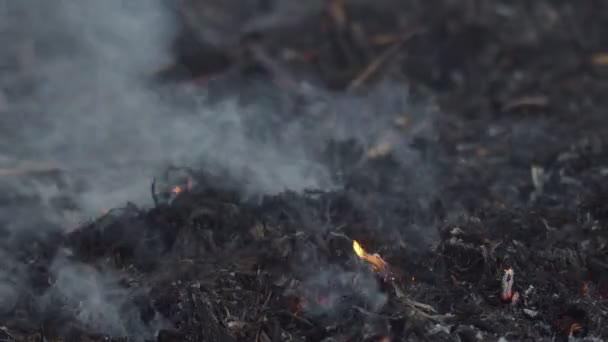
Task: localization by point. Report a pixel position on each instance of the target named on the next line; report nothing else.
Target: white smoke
(75, 94)
(97, 300)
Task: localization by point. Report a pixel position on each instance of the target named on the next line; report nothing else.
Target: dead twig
(265, 305)
(381, 60)
(298, 318)
(369, 313)
(419, 305)
(8, 332)
(526, 101)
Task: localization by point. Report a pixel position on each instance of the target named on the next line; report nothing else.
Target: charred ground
(519, 156)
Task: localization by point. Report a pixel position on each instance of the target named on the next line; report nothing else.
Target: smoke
(90, 109)
(87, 110)
(75, 95)
(92, 112)
(96, 299)
(333, 292)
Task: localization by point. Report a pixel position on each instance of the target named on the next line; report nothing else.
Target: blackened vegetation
(522, 183)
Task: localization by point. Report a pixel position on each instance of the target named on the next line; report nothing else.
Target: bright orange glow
(374, 259)
(177, 189)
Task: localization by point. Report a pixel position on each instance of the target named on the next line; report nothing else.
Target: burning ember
(170, 186)
(506, 293)
(378, 264)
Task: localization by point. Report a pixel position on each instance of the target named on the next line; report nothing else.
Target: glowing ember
(506, 293)
(379, 265)
(177, 189)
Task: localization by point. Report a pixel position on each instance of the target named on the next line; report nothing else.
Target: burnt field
(360, 171)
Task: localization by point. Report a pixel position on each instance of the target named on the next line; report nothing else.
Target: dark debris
(522, 160)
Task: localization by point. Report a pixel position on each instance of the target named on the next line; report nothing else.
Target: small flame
(374, 259)
(359, 250)
(177, 189)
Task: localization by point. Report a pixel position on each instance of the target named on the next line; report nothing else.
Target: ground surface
(507, 167)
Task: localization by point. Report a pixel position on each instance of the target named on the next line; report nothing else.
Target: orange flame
(177, 189)
(374, 259)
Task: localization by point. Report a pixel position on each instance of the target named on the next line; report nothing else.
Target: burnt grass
(520, 158)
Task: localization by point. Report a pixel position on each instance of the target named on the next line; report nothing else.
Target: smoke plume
(75, 95)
